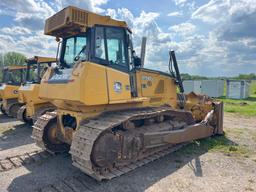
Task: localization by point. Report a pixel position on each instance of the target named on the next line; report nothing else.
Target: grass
(246, 107)
(215, 144)
(253, 89)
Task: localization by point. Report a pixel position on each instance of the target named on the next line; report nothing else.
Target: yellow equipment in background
(112, 114)
(13, 76)
(29, 91)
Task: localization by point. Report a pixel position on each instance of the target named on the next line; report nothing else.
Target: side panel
(85, 84)
(30, 94)
(9, 91)
(94, 84)
(118, 85)
(161, 89)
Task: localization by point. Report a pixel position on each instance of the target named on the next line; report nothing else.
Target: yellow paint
(9, 91)
(29, 93)
(38, 59)
(118, 85)
(15, 67)
(72, 20)
(161, 89)
(93, 86)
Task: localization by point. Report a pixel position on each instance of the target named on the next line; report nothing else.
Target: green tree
(250, 76)
(11, 58)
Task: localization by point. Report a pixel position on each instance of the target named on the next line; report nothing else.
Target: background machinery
(112, 114)
(33, 106)
(13, 76)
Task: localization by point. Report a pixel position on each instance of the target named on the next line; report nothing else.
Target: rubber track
(88, 132)
(9, 109)
(24, 159)
(38, 127)
(20, 113)
(41, 111)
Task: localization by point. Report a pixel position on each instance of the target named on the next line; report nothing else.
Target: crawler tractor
(29, 91)
(13, 76)
(113, 115)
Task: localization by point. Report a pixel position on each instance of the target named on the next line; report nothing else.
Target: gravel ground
(204, 171)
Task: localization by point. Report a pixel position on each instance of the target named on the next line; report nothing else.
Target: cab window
(100, 46)
(74, 46)
(115, 46)
(110, 47)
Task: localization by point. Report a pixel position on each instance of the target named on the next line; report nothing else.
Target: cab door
(118, 85)
(111, 48)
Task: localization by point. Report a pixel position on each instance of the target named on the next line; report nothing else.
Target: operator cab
(14, 75)
(105, 45)
(36, 67)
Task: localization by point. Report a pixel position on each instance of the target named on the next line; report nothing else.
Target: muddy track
(25, 159)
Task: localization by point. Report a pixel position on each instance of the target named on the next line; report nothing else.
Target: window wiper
(77, 57)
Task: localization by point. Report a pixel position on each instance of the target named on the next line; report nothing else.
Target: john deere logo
(118, 87)
(15, 92)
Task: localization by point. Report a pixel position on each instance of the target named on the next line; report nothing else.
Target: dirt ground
(192, 172)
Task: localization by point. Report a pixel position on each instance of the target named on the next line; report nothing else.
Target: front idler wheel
(51, 142)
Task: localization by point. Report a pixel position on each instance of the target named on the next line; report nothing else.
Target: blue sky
(210, 37)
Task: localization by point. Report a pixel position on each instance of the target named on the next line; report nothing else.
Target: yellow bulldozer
(113, 115)
(33, 106)
(13, 77)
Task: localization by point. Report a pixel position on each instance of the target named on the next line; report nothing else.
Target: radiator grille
(70, 17)
(79, 16)
(56, 20)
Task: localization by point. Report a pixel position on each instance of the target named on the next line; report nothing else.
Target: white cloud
(29, 17)
(175, 14)
(188, 5)
(183, 29)
(32, 13)
(6, 42)
(180, 2)
(212, 12)
(16, 30)
(91, 5)
(144, 25)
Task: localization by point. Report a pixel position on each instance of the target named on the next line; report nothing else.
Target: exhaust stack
(143, 51)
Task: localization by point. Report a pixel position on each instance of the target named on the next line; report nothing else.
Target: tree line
(10, 59)
(186, 76)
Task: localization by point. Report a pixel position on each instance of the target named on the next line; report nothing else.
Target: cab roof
(72, 20)
(38, 59)
(14, 67)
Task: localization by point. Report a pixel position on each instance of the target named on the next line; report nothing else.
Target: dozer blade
(193, 132)
(211, 125)
(218, 117)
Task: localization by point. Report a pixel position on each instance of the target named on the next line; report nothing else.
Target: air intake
(66, 21)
